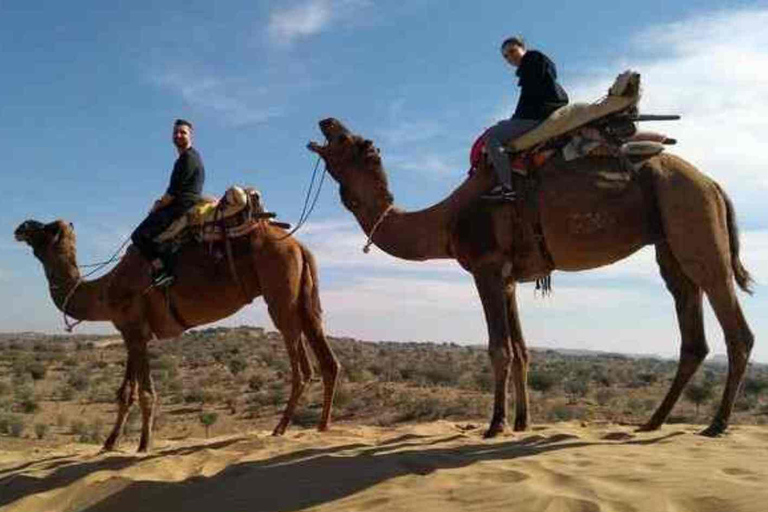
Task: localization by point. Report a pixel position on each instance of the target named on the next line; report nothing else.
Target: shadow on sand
(291, 481)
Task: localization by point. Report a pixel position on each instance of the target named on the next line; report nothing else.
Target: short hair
(183, 122)
(513, 41)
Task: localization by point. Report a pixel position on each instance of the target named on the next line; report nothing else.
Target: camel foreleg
(489, 280)
(520, 358)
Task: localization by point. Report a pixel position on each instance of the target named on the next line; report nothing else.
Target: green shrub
(41, 430)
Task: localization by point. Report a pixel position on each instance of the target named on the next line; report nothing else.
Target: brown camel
(266, 263)
(591, 214)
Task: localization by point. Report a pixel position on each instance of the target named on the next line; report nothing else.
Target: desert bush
(306, 417)
(208, 419)
(605, 396)
(5, 388)
(256, 382)
(78, 427)
(78, 380)
(37, 370)
(542, 380)
(41, 430)
(236, 365)
(699, 393)
(66, 393)
(575, 388)
(16, 426)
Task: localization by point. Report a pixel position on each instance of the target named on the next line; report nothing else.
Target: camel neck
(82, 299)
(423, 234)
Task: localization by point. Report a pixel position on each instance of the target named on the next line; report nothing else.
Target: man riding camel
(182, 194)
(540, 95)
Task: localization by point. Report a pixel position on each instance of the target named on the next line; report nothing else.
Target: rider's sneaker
(500, 193)
(161, 278)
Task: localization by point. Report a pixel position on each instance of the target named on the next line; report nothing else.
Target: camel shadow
(313, 477)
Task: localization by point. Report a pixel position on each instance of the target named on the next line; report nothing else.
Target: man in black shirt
(183, 192)
(540, 95)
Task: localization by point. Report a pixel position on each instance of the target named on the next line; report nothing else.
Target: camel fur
(591, 215)
(266, 262)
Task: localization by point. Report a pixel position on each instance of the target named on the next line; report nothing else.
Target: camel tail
(742, 276)
(310, 294)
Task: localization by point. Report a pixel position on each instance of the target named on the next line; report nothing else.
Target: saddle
(604, 128)
(236, 214)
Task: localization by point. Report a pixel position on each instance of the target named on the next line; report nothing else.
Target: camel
(266, 262)
(591, 214)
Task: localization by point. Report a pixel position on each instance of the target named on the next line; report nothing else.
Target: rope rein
(367, 246)
(307, 210)
(70, 326)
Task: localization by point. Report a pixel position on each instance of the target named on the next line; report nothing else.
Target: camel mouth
(24, 232)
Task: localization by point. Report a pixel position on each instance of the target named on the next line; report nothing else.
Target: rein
(306, 212)
(367, 246)
(69, 327)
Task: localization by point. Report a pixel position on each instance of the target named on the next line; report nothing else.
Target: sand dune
(434, 467)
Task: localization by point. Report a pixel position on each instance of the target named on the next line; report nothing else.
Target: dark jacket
(187, 178)
(540, 93)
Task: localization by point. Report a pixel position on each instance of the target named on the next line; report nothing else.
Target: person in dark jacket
(540, 95)
(183, 192)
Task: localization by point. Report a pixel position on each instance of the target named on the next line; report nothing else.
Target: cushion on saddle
(623, 94)
(211, 219)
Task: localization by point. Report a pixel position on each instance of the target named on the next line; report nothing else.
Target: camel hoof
(648, 427)
(495, 430)
(521, 426)
(712, 431)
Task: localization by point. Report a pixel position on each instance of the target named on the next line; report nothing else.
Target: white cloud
(239, 104)
(713, 70)
(308, 18)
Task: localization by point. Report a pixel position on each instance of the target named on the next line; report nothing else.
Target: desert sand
(434, 467)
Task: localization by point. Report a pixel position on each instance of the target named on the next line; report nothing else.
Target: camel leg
(293, 345)
(329, 365)
(126, 395)
(147, 398)
(693, 350)
(136, 337)
(489, 281)
(739, 341)
(520, 358)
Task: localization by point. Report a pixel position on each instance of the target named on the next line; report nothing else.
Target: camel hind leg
(700, 228)
(690, 317)
(312, 326)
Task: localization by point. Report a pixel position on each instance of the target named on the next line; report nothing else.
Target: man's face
(514, 54)
(182, 137)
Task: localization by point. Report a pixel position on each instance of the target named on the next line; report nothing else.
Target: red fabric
(476, 153)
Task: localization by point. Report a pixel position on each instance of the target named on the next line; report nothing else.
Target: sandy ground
(434, 467)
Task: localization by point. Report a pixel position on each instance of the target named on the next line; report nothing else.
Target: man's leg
(144, 239)
(498, 135)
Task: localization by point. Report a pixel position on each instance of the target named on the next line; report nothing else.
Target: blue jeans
(499, 134)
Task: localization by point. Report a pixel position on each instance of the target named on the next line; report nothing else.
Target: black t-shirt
(540, 93)
(187, 178)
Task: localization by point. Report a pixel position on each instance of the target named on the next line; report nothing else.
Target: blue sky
(89, 93)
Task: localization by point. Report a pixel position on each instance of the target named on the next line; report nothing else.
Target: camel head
(354, 162)
(47, 239)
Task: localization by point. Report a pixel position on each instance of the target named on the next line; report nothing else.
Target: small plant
(699, 393)
(16, 426)
(41, 430)
(208, 419)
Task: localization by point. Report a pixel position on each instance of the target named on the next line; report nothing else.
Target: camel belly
(590, 219)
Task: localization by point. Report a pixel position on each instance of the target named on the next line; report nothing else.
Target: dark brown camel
(267, 263)
(591, 214)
